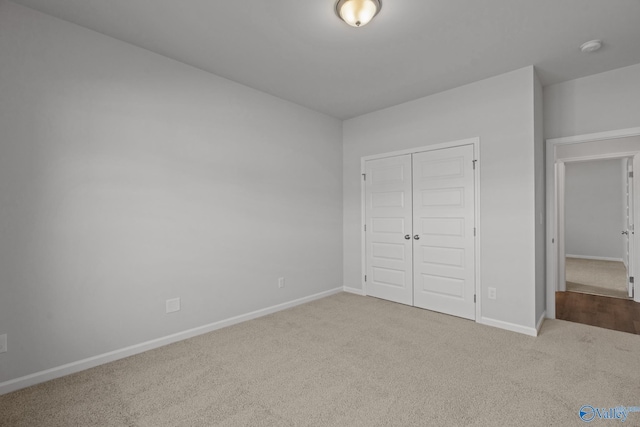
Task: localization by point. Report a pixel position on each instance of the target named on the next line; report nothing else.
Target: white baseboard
(508, 326)
(354, 291)
(81, 365)
(540, 322)
(597, 258)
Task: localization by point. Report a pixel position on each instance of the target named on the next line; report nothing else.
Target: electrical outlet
(3, 343)
(492, 293)
(281, 282)
(173, 305)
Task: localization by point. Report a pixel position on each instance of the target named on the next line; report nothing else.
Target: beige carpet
(597, 277)
(348, 360)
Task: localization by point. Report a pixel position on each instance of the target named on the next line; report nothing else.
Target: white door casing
(629, 256)
(562, 273)
(389, 271)
(634, 210)
(555, 235)
(444, 242)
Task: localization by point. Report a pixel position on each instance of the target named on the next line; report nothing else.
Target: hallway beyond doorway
(597, 277)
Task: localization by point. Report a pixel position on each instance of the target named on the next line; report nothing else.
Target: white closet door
(388, 229)
(443, 221)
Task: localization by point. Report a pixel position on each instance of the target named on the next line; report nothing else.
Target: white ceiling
(300, 51)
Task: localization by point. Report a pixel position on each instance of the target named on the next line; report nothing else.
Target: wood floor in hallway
(606, 312)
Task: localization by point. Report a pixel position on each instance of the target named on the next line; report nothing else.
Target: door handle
(407, 236)
(625, 232)
(417, 237)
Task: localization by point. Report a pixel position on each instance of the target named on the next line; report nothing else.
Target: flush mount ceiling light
(591, 46)
(358, 13)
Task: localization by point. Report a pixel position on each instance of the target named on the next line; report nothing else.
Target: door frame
(555, 211)
(476, 183)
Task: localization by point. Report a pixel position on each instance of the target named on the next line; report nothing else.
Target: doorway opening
(591, 262)
(598, 226)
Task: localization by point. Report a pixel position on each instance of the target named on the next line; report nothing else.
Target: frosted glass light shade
(357, 12)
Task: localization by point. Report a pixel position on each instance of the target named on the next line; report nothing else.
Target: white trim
(551, 244)
(552, 201)
(478, 163)
(81, 365)
(540, 322)
(633, 263)
(561, 219)
(508, 326)
(607, 156)
(596, 258)
(363, 222)
(475, 142)
(468, 141)
(354, 291)
(600, 136)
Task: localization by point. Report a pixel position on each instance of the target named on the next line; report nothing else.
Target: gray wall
(598, 103)
(594, 200)
(540, 192)
(500, 111)
(127, 178)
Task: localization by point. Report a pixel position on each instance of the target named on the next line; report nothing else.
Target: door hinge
(474, 231)
(631, 279)
(365, 277)
(365, 227)
(631, 174)
(474, 297)
(474, 163)
(364, 176)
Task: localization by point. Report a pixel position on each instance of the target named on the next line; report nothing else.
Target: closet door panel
(444, 242)
(388, 219)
